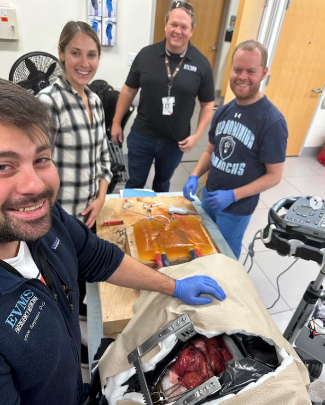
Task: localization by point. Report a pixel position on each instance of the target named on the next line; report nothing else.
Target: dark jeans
(142, 151)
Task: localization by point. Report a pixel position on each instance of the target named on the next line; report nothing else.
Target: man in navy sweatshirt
(43, 251)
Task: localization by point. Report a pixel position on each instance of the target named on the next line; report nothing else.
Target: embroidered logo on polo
(22, 310)
(191, 68)
(55, 244)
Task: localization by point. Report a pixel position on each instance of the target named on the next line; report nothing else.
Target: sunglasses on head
(182, 4)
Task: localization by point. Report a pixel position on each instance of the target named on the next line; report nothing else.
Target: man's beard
(16, 230)
(248, 96)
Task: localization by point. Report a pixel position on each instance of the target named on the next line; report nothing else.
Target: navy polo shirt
(194, 79)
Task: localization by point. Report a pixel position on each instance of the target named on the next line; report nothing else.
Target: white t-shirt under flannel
(80, 152)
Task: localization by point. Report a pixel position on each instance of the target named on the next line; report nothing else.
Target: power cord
(277, 283)
(251, 252)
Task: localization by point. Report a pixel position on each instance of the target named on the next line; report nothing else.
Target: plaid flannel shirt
(80, 150)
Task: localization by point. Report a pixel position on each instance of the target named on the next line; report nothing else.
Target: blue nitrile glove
(189, 289)
(220, 199)
(109, 31)
(95, 5)
(190, 186)
(109, 5)
(95, 25)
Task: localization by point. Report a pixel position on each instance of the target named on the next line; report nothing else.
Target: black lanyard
(46, 273)
(171, 76)
(46, 270)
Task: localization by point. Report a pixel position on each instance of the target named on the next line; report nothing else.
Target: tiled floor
(302, 176)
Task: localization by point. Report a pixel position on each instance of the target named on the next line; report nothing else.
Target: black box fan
(35, 70)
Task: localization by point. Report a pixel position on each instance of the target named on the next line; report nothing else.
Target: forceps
(165, 397)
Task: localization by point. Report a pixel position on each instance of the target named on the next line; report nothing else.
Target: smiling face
(246, 75)
(29, 184)
(178, 30)
(81, 59)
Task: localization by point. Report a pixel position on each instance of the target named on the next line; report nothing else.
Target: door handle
(319, 90)
(213, 48)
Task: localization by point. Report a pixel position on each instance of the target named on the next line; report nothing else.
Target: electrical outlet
(131, 57)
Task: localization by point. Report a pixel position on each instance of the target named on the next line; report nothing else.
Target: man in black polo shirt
(171, 75)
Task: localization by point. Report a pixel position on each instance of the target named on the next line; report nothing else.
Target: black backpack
(108, 97)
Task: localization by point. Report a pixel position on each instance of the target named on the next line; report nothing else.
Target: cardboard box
(95, 7)
(109, 9)
(108, 32)
(96, 23)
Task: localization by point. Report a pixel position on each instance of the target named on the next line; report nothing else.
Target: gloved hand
(220, 199)
(190, 186)
(189, 289)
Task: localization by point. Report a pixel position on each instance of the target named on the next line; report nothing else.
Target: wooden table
(117, 302)
(101, 296)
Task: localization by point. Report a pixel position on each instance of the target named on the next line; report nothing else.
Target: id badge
(168, 103)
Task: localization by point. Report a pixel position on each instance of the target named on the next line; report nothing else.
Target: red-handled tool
(195, 253)
(198, 252)
(159, 261)
(112, 223)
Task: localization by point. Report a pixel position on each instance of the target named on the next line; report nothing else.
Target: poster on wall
(102, 17)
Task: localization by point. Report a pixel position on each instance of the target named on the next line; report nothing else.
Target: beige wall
(40, 22)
